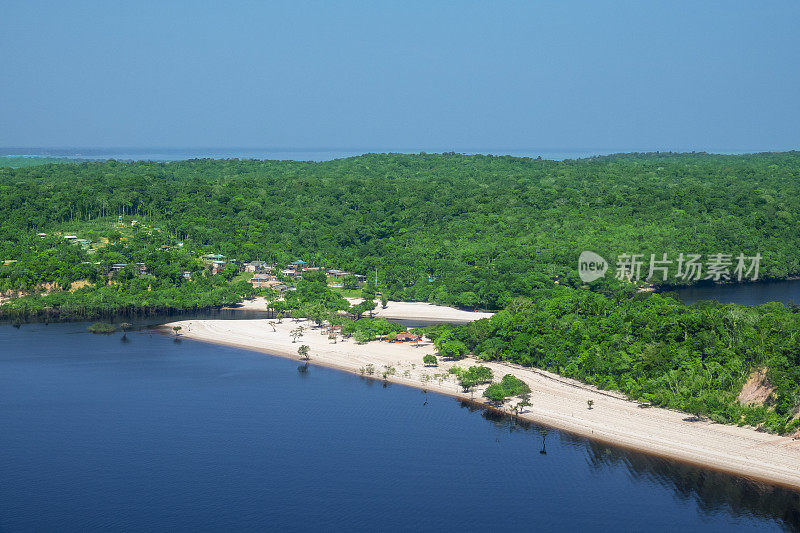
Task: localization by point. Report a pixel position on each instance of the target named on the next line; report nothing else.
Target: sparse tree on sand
(297, 332)
(303, 352)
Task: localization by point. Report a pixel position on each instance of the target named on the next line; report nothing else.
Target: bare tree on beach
(297, 332)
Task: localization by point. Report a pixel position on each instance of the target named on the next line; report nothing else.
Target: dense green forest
(473, 231)
(653, 348)
(50, 265)
(17, 161)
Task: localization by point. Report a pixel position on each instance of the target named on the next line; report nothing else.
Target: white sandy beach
(557, 402)
(423, 312)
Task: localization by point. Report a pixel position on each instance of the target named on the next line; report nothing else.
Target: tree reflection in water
(712, 490)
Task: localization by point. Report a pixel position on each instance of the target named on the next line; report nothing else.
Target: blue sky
(401, 75)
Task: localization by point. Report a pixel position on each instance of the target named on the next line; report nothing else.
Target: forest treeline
(471, 231)
(466, 230)
(653, 348)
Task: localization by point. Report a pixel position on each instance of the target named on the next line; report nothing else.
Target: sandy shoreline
(557, 402)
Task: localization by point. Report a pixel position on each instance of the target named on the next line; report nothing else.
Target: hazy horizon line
(397, 149)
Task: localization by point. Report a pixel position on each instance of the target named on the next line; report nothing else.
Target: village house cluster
(264, 274)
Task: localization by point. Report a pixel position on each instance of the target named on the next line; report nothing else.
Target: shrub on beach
(102, 328)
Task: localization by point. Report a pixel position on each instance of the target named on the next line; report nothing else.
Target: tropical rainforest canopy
(472, 231)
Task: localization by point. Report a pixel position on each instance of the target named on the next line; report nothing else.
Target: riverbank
(556, 401)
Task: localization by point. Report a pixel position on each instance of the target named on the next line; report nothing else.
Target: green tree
(449, 347)
(304, 351)
(430, 360)
(297, 333)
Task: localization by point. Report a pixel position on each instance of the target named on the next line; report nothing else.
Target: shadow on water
(712, 490)
(137, 321)
(121, 391)
(497, 418)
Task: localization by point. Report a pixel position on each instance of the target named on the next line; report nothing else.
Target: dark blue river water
(787, 292)
(151, 434)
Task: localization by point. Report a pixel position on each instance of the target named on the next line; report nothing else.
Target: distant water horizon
(298, 154)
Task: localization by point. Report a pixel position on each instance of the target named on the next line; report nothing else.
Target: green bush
(102, 328)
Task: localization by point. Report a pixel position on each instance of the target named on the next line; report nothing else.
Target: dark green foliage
(472, 231)
(361, 308)
(430, 360)
(314, 300)
(350, 283)
(653, 348)
(450, 347)
(472, 376)
(304, 351)
(367, 329)
(509, 386)
(495, 393)
(102, 327)
(47, 266)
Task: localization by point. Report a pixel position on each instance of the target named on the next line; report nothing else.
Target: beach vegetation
(509, 386)
(368, 329)
(470, 231)
(430, 360)
(304, 352)
(654, 349)
(102, 328)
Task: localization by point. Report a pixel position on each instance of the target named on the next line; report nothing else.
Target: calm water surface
(151, 434)
(787, 292)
